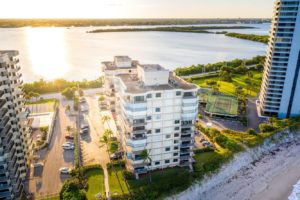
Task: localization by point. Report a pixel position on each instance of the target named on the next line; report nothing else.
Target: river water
(73, 54)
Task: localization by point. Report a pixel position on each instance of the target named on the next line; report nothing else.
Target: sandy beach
(271, 177)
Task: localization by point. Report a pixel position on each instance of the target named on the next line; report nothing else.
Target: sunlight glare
(42, 42)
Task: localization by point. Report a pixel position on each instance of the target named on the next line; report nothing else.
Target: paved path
(212, 72)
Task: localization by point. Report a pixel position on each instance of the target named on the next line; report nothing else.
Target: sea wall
(241, 161)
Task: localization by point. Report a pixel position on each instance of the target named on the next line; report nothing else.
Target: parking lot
(46, 179)
(92, 151)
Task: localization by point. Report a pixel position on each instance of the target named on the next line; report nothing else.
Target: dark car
(69, 137)
(117, 155)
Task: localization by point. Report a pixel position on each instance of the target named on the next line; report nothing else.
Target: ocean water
(295, 195)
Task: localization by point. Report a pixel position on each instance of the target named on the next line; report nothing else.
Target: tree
(68, 107)
(69, 92)
(105, 119)
(146, 159)
(69, 129)
(101, 98)
(81, 93)
(71, 191)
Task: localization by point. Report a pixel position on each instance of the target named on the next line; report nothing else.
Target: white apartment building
(14, 130)
(156, 112)
(280, 92)
(120, 65)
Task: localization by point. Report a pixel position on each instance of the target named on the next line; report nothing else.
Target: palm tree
(105, 119)
(109, 133)
(146, 159)
(104, 140)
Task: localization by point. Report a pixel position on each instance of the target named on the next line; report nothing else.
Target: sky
(136, 8)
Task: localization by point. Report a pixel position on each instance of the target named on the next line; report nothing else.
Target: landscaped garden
(95, 181)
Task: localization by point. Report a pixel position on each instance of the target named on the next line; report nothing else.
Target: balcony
(4, 122)
(3, 112)
(5, 195)
(136, 142)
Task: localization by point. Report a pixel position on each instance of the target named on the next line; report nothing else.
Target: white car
(64, 170)
(68, 146)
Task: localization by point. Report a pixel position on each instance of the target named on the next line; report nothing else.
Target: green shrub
(266, 128)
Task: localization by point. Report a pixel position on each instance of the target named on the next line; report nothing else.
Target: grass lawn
(222, 105)
(95, 183)
(43, 101)
(244, 137)
(51, 198)
(117, 185)
(237, 80)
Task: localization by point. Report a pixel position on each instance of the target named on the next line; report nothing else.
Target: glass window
(176, 141)
(175, 160)
(178, 93)
(157, 163)
(157, 109)
(167, 149)
(149, 96)
(167, 161)
(158, 95)
(176, 135)
(176, 148)
(168, 136)
(149, 118)
(177, 121)
(176, 128)
(175, 154)
(149, 131)
(157, 130)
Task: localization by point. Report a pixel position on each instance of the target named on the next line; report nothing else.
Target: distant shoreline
(188, 29)
(18, 23)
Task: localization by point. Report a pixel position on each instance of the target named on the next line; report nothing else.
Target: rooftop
(152, 67)
(135, 85)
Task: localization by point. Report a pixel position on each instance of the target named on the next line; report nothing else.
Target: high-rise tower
(14, 130)
(280, 92)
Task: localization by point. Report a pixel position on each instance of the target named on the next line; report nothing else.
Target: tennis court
(222, 106)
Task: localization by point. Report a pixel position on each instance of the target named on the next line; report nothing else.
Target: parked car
(64, 170)
(68, 146)
(82, 100)
(202, 139)
(85, 126)
(84, 131)
(69, 137)
(116, 156)
(84, 109)
(207, 144)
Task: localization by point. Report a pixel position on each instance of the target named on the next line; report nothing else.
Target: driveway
(92, 151)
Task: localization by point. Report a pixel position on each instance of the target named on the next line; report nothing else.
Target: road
(54, 157)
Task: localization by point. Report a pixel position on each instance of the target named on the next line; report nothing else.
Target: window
(176, 128)
(158, 95)
(175, 154)
(149, 96)
(176, 135)
(177, 121)
(157, 163)
(157, 109)
(149, 118)
(139, 99)
(167, 149)
(168, 136)
(175, 160)
(149, 131)
(157, 130)
(157, 117)
(176, 141)
(176, 148)
(178, 93)
(167, 161)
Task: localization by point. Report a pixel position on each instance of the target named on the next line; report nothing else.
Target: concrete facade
(156, 112)
(15, 145)
(280, 92)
